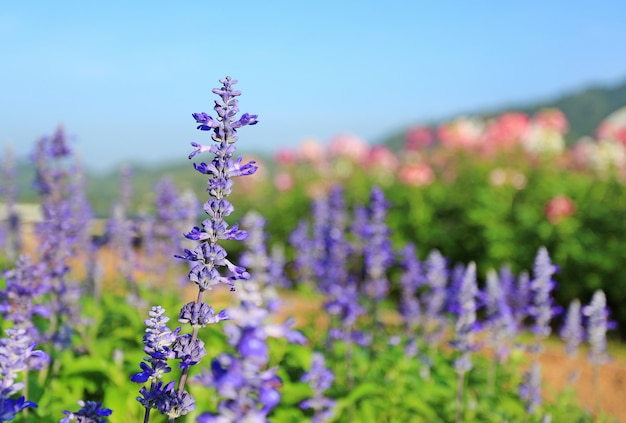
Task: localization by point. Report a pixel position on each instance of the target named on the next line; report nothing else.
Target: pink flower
(418, 138)
(381, 158)
(558, 208)
(506, 130)
(348, 145)
(610, 131)
(464, 133)
(551, 119)
(286, 157)
(311, 150)
(283, 181)
(418, 175)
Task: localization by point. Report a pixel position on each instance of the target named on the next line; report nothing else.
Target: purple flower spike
(320, 379)
(572, 332)
(209, 265)
(597, 325)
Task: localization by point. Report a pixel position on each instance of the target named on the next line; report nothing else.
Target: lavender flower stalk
(541, 310)
(499, 320)
(208, 257)
(411, 280)
(465, 327)
(572, 332)
(320, 378)
(22, 298)
(59, 233)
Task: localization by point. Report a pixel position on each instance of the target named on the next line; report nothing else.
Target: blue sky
(124, 77)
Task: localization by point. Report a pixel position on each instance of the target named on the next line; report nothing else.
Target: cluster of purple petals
(597, 315)
(378, 254)
(323, 256)
(498, 315)
(435, 297)
(572, 332)
(162, 345)
(17, 355)
(411, 280)
(90, 412)
(541, 307)
(247, 393)
(22, 298)
(320, 378)
(465, 325)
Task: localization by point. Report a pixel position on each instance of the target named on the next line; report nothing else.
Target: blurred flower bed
(489, 190)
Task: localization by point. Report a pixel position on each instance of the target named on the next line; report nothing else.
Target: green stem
(460, 381)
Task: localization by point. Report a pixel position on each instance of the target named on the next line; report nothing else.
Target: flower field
(472, 276)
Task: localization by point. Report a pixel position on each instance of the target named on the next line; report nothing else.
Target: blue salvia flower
(572, 332)
(277, 270)
(499, 318)
(457, 274)
(17, 355)
(320, 378)
(90, 412)
(11, 407)
(530, 389)
(358, 230)
(377, 253)
(210, 267)
(466, 324)
(343, 303)
(520, 299)
(161, 344)
(320, 211)
(541, 308)
(597, 325)
(464, 329)
(337, 246)
(434, 299)
(411, 280)
(59, 233)
(22, 298)
(304, 260)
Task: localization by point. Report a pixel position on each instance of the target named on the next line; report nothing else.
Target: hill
(584, 109)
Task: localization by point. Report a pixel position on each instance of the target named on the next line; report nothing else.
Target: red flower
(558, 208)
